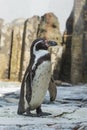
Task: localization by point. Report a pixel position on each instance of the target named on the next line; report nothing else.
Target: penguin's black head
(42, 44)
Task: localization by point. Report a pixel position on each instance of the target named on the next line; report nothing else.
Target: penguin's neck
(38, 54)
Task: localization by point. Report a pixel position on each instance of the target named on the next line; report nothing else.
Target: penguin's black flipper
(21, 109)
(28, 87)
(26, 82)
(52, 89)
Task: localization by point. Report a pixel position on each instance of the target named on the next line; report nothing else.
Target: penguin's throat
(38, 55)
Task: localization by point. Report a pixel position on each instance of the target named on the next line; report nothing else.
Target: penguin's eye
(41, 46)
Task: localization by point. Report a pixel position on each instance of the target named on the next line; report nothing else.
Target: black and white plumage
(37, 77)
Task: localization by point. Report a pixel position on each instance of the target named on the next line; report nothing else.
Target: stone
(5, 50)
(79, 41)
(18, 21)
(65, 70)
(49, 28)
(1, 25)
(30, 34)
(56, 57)
(84, 45)
(16, 53)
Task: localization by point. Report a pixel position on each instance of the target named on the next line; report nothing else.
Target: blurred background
(13, 9)
(22, 21)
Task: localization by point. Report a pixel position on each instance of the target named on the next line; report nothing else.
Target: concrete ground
(69, 111)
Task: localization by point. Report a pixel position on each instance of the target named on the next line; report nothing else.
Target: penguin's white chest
(40, 84)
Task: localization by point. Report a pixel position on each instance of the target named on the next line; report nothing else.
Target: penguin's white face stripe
(38, 53)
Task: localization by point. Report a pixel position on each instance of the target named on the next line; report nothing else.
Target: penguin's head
(41, 45)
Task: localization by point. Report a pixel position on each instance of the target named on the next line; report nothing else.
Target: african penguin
(37, 77)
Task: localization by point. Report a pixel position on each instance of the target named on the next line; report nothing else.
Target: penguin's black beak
(52, 43)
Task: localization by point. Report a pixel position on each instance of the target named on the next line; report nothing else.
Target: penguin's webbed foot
(28, 113)
(40, 113)
(43, 114)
